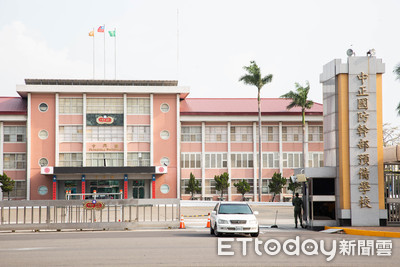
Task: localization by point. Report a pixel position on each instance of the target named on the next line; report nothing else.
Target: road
(175, 247)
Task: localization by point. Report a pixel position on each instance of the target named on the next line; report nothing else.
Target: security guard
(298, 204)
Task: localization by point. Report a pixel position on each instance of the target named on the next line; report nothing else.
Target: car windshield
(235, 209)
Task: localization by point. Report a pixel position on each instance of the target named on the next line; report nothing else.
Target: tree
(222, 183)
(293, 186)
(254, 77)
(242, 187)
(391, 135)
(7, 184)
(299, 99)
(396, 71)
(276, 184)
(194, 185)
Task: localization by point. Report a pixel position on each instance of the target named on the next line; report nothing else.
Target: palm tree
(254, 77)
(299, 99)
(396, 71)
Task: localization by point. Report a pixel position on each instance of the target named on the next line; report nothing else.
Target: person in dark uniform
(298, 204)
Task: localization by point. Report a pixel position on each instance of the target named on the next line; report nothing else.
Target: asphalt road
(189, 247)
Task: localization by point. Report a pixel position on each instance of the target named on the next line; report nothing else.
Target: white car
(233, 218)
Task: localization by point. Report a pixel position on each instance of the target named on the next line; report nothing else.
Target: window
(18, 192)
(164, 107)
(209, 186)
(105, 105)
(265, 186)
(191, 134)
(242, 134)
(216, 160)
(70, 160)
(292, 160)
(270, 160)
(43, 107)
(185, 184)
(138, 106)
(190, 160)
(164, 188)
(315, 159)
(249, 181)
(43, 162)
(315, 134)
(105, 133)
(70, 105)
(43, 134)
(70, 133)
(14, 161)
(242, 160)
(138, 159)
(164, 135)
(14, 134)
(292, 133)
(104, 159)
(216, 134)
(269, 134)
(138, 133)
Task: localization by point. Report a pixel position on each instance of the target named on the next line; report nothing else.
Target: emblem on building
(104, 119)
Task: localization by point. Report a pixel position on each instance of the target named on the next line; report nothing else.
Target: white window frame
(138, 133)
(62, 162)
(75, 103)
(15, 161)
(213, 133)
(244, 159)
(142, 105)
(190, 160)
(241, 134)
(216, 160)
(135, 161)
(191, 133)
(111, 105)
(290, 133)
(73, 131)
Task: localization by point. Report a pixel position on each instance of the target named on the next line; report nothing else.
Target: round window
(164, 161)
(43, 107)
(43, 162)
(42, 190)
(164, 107)
(164, 134)
(164, 188)
(43, 134)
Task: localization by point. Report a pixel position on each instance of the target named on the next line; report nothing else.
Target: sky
(202, 44)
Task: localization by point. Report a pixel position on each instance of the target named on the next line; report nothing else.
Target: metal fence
(71, 214)
(392, 193)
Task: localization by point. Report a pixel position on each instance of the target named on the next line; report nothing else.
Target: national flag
(112, 33)
(91, 33)
(100, 29)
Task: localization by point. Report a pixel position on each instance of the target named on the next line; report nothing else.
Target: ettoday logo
(308, 247)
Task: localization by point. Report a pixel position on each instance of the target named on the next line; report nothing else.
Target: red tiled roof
(243, 106)
(12, 106)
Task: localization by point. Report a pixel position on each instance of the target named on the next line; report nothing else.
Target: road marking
(25, 249)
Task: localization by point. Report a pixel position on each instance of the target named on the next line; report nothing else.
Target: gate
(392, 193)
(71, 214)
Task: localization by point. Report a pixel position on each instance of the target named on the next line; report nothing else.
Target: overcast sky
(290, 39)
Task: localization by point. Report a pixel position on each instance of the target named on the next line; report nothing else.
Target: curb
(351, 231)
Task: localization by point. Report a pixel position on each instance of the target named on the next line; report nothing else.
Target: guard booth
(319, 197)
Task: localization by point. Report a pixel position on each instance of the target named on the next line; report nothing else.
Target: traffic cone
(208, 221)
(182, 223)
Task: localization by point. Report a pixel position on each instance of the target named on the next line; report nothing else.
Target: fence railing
(71, 214)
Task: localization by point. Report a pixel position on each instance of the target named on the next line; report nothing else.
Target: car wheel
(255, 234)
(216, 233)
(211, 231)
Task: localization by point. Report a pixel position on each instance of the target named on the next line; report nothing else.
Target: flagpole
(104, 51)
(115, 53)
(93, 57)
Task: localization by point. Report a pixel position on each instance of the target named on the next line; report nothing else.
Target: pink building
(141, 139)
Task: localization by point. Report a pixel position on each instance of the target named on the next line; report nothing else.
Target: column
(153, 186)
(255, 163)
(28, 149)
(151, 132)
(280, 149)
(54, 187)
(83, 186)
(125, 134)
(203, 159)
(57, 156)
(229, 162)
(84, 131)
(178, 147)
(125, 186)
(306, 145)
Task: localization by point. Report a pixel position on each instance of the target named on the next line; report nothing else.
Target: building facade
(142, 139)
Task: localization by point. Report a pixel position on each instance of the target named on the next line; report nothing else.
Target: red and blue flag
(100, 29)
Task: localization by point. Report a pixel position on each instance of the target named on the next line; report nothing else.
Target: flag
(112, 33)
(100, 29)
(91, 33)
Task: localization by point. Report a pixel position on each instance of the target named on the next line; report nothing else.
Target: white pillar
(57, 140)
(229, 165)
(178, 147)
(28, 148)
(280, 154)
(203, 159)
(306, 145)
(84, 131)
(125, 132)
(255, 163)
(151, 131)
(1, 154)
